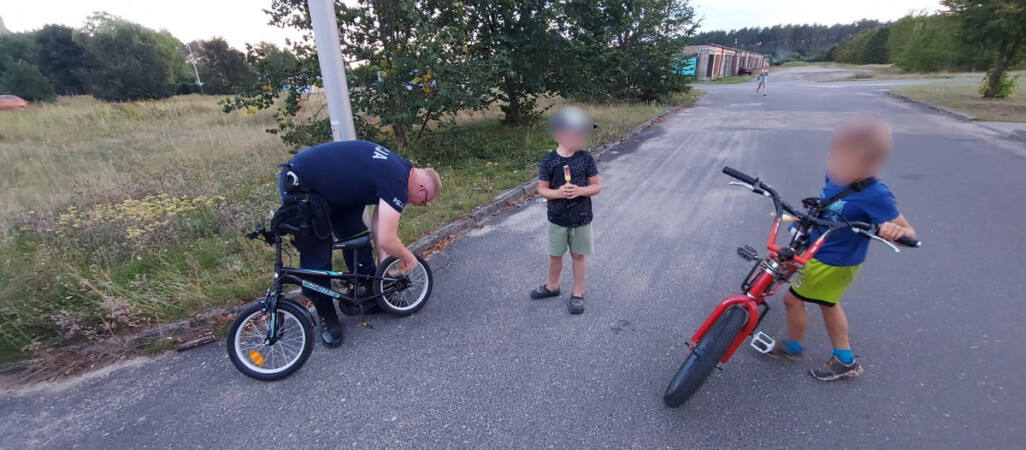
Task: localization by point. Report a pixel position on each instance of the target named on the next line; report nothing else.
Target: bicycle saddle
(352, 244)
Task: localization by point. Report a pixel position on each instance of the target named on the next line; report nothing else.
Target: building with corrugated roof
(714, 61)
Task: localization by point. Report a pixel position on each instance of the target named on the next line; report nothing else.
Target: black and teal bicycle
(273, 337)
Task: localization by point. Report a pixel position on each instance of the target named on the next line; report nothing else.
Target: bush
(875, 50)
(1005, 88)
(131, 62)
(920, 43)
(26, 81)
(852, 51)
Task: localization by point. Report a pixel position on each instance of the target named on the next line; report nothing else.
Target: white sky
(242, 21)
(733, 14)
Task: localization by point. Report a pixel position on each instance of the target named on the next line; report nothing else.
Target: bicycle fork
(753, 311)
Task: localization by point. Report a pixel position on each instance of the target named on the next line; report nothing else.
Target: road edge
(430, 242)
(930, 107)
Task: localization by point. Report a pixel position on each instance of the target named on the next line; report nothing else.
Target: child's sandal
(543, 292)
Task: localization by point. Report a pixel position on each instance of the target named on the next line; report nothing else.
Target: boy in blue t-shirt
(858, 151)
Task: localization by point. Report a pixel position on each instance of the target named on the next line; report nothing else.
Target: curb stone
(136, 340)
(176, 328)
(476, 218)
(934, 108)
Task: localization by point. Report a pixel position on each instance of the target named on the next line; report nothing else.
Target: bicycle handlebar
(909, 241)
(764, 189)
(740, 175)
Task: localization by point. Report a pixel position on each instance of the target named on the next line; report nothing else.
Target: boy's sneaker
(576, 305)
(835, 369)
(778, 351)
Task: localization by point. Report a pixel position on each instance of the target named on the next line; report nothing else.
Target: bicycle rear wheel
(400, 293)
(704, 357)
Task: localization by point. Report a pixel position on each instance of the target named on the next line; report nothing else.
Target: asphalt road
(938, 329)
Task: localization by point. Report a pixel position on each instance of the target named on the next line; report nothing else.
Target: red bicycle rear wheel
(704, 357)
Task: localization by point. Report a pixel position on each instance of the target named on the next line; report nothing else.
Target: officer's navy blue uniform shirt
(354, 174)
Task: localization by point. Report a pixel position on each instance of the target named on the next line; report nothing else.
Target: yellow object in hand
(566, 173)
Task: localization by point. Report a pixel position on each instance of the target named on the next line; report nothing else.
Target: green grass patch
(734, 79)
(115, 217)
(961, 93)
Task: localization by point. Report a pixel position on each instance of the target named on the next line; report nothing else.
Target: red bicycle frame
(769, 274)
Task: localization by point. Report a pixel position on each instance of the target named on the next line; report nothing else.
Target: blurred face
(851, 163)
(858, 151)
(572, 139)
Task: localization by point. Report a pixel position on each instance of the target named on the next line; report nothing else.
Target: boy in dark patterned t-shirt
(568, 178)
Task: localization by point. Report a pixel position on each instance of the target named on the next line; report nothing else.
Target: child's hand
(891, 231)
(568, 190)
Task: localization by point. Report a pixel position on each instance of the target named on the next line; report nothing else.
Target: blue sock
(844, 355)
(792, 347)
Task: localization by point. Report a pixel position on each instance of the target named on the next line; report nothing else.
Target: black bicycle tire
(703, 359)
(385, 305)
(304, 323)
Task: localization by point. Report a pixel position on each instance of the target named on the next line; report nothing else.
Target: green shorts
(579, 240)
(822, 283)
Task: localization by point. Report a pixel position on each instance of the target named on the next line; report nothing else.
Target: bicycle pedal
(762, 342)
(748, 252)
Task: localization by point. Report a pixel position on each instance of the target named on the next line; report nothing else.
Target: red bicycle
(737, 317)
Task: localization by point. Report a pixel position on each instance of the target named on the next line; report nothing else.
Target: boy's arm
(593, 188)
(896, 228)
(548, 193)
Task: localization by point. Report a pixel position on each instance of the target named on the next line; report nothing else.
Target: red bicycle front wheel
(704, 357)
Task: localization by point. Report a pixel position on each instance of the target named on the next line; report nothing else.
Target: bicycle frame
(296, 276)
(769, 273)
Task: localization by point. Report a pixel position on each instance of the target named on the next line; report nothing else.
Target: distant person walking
(763, 75)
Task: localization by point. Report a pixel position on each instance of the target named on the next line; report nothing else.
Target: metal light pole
(333, 71)
(192, 60)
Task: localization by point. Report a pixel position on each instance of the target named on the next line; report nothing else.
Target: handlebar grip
(909, 241)
(739, 175)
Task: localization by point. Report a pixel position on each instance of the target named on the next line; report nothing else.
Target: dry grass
(118, 216)
(961, 93)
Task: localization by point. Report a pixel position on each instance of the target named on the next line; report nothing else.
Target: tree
(223, 69)
(875, 50)
(626, 49)
(62, 59)
(514, 37)
(926, 43)
(785, 39)
(130, 62)
(25, 80)
(18, 46)
(270, 62)
(1000, 26)
(423, 72)
(852, 50)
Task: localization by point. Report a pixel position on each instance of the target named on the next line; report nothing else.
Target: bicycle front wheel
(259, 357)
(704, 357)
